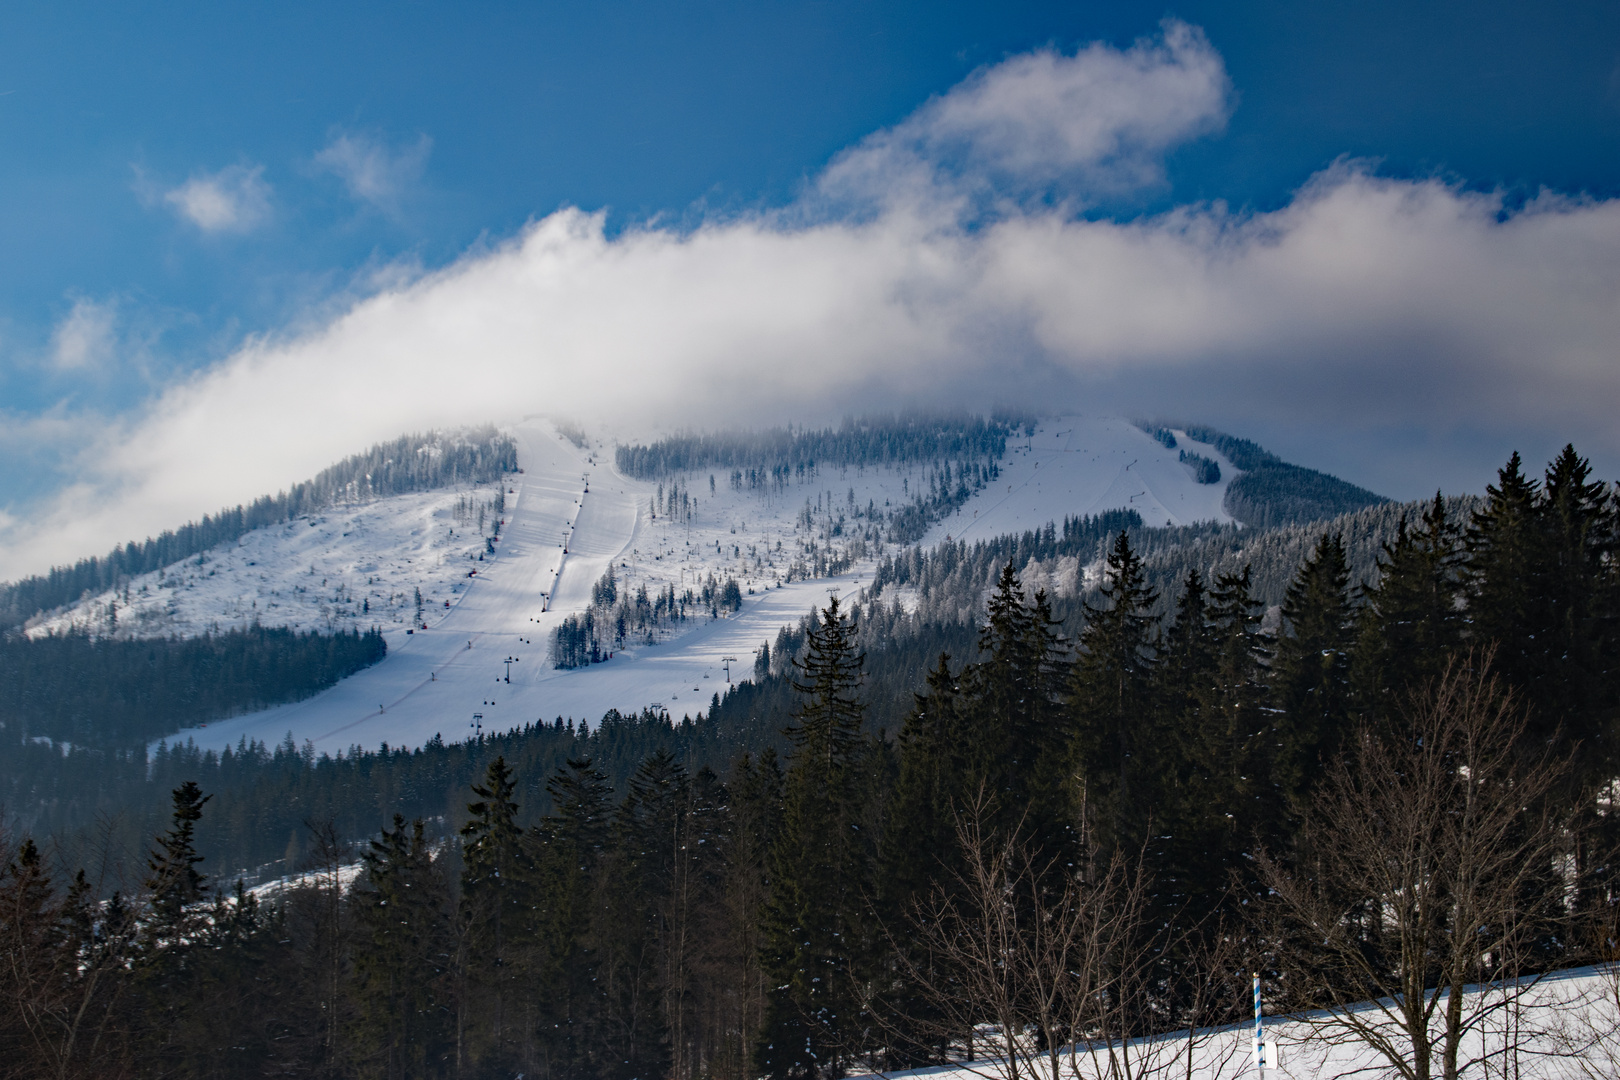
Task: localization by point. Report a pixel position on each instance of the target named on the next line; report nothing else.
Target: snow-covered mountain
(499, 568)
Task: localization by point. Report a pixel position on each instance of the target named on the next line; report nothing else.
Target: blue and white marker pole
(1259, 1030)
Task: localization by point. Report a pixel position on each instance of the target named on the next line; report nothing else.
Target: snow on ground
(1564, 1026)
(570, 515)
(349, 568)
(1085, 465)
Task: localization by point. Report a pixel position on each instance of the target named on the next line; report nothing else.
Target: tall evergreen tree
(1111, 695)
(1311, 679)
(1233, 758)
(495, 1020)
(1014, 732)
(1186, 824)
(1412, 620)
(816, 922)
(639, 886)
(573, 841)
(1573, 665)
(173, 881)
(1505, 586)
(401, 959)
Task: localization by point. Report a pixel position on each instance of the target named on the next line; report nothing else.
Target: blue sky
(189, 182)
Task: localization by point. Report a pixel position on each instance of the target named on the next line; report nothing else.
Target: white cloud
(1366, 305)
(372, 171)
(234, 199)
(1079, 127)
(84, 338)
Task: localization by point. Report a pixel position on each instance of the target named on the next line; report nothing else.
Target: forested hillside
(1272, 492)
(409, 463)
(949, 583)
(782, 455)
(1135, 812)
(107, 694)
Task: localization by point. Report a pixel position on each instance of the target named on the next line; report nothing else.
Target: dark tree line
(105, 693)
(780, 454)
(1271, 492)
(408, 463)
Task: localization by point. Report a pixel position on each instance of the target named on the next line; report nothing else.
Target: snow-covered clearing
(569, 516)
(349, 568)
(1084, 465)
(1564, 1026)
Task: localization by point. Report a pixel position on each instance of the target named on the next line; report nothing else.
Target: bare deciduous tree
(1429, 862)
(1054, 969)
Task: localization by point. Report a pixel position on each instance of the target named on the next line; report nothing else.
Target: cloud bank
(942, 262)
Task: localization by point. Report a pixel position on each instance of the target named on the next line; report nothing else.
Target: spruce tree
(1572, 676)
(1231, 744)
(401, 959)
(1185, 822)
(497, 902)
(173, 882)
(1412, 620)
(1505, 586)
(919, 850)
(1014, 727)
(643, 867)
(1111, 697)
(815, 926)
(572, 842)
(33, 968)
(1311, 677)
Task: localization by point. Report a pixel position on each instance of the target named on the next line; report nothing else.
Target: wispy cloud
(85, 336)
(1072, 127)
(373, 172)
(1365, 304)
(234, 199)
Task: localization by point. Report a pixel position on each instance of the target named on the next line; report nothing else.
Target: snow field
(570, 515)
(345, 569)
(1565, 1026)
(1079, 465)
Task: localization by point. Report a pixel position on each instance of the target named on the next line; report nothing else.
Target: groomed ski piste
(1561, 1026)
(568, 516)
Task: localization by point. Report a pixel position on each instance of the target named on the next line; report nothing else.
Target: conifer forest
(962, 831)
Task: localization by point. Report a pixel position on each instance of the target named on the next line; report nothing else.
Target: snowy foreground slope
(1564, 1026)
(322, 573)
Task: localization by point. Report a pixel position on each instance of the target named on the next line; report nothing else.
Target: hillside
(706, 552)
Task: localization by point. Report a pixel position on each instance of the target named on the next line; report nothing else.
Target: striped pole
(1259, 1030)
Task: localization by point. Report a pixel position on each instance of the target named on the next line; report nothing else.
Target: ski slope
(1086, 465)
(570, 515)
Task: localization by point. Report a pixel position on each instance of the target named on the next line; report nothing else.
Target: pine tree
(816, 923)
(919, 849)
(173, 881)
(1505, 585)
(1186, 826)
(33, 968)
(572, 843)
(1231, 747)
(1412, 618)
(1111, 696)
(1312, 672)
(497, 899)
(1573, 672)
(1013, 720)
(639, 884)
(401, 959)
